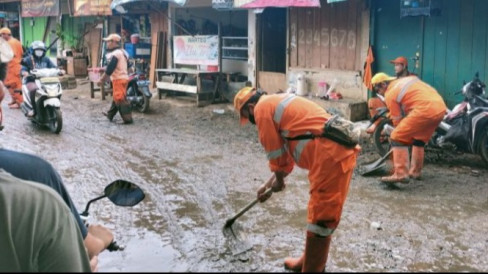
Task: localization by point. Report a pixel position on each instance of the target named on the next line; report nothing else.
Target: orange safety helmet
(241, 99)
(400, 60)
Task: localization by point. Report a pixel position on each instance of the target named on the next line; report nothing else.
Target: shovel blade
(374, 166)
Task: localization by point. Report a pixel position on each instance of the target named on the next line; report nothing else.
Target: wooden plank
(452, 52)
(272, 82)
(302, 25)
(479, 38)
(466, 41)
(439, 80)
(293, 38)
(176, 87)
(352, 34)
(325, 35)
(342, 33)
(309, 37)
(334, 36)
(316, 39)
(429, 49)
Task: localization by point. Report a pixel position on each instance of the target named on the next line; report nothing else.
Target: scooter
(138, 93)
(47, 98)
(121, 193)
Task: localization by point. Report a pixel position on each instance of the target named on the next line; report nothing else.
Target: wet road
(198, 168)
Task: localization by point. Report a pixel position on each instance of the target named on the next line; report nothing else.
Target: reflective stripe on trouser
(328, 194)
(416, 127)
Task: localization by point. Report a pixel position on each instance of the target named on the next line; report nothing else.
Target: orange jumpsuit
(120, 81)
(13, 80)
(330, 165)
(416, 109)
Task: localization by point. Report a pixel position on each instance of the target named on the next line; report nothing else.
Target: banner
(37, 8)
(196, 50)
(92, 7)
(253, 4)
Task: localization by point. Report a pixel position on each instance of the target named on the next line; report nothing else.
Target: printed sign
(92, 7)
(223, 4)
(196, 50)
(37, 8)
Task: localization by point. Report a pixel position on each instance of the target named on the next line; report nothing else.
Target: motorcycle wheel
(381, 141)
(143, 106)
(483, 150)
(55, 120)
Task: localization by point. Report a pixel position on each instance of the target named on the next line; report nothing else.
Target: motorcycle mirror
(121, 193)
(124, 193)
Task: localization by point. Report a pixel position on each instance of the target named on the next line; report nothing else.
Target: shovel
(374, 166)
(230, 222)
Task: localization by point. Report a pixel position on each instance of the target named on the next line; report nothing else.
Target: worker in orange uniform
(13, 81)
(416, 109)
(401, 67)
(280, 117)
(117, 69)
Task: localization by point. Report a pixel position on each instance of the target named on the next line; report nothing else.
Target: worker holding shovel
(281, 120)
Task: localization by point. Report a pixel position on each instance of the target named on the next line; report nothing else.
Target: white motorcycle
(48, 93)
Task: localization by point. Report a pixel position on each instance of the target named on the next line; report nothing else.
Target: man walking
(117, 70)
(279, 119)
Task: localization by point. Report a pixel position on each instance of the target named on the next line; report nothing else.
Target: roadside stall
(196, 68)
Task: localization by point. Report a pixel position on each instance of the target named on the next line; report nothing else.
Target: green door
(452, 45)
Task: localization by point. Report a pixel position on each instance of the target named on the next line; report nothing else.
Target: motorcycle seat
(50, 80)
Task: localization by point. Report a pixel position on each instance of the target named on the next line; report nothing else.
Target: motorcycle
(47, 98)
(121, 193)
(138, 93)
(463, 129)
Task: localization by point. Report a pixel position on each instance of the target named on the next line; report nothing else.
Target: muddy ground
(198, 168)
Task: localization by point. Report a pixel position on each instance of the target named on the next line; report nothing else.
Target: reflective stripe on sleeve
(281, 108)
(276, 153)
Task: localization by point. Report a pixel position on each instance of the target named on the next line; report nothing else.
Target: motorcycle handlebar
(113, 246)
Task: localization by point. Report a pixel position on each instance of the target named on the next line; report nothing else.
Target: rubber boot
(417, 162)
(294, 264)
(316, 253)
(400, 164)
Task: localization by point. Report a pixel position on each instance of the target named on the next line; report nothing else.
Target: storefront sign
(196, 50)
(223, 4)
(37, 8)
(92, 7)
(249, 4)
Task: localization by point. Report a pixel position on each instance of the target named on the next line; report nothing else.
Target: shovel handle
(251, 204)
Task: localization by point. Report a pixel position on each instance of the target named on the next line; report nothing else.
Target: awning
(117, 3)
(259, 4)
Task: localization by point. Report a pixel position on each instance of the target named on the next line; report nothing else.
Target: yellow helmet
(381, 77)
(241, 99)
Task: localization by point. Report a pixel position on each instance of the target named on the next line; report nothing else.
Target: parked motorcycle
(463, 129)
(47, 106)
(138, 93)
(121, 193)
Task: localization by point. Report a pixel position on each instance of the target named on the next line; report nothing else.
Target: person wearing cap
(13, 81)
(117, 70)
(278, 118)
(401, 67)
(416, 109)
